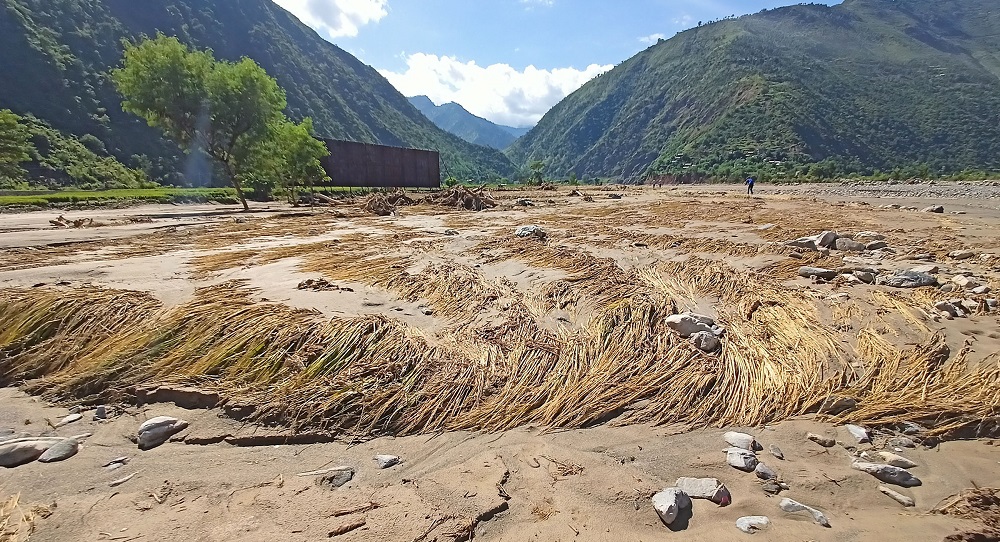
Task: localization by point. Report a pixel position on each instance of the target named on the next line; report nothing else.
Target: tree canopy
(231, 111)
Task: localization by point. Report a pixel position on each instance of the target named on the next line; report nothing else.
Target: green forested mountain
(56, 54)
(455, 119)
(862, 86)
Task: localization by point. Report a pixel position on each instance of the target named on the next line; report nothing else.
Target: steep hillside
(862, 86)
(455, 119)
(62, 49)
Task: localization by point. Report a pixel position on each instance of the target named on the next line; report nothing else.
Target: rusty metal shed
(364, 165)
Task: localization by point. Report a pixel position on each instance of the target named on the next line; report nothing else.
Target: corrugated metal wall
(366, 165)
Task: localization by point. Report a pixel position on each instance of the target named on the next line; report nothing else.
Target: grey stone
(859, 433)
(741, 459)
(825, 442)
(740, 440)
(669, 503)
(336, 478)
(808, 272)
(531, 231)
(907, 279)
(849, 245)
(902, 442)
(764, 472)
(60, 451)
(752, 524)
(386, 461)
(788, 505)
(887, 473)
(898, 497)
(865, 277)
(705, 488)
(776, 452)
(706, 341)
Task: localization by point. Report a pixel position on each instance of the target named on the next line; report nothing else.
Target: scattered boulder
(837, 405)
(752, 524)
(156, 431)
(788, 505)
(776, 452)
(809, 272)
(849, 245)
(705, 488)
(669, 503)
(961, 254)
(859, 433)
(531, 231)
(933, 209)
(336, 478)
(898, 497)
(741, 459)
(61, 451)
(687, 324)
(764, 472)
(902, 442)
(825, 442)
(741, 440)
(865, 276)
(890, 458)
(963, 281)
(706, 341)
(888, 473)
(908, 279)
(386, 461)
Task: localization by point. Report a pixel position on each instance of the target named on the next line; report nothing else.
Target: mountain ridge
(454, 118)
(860, 87)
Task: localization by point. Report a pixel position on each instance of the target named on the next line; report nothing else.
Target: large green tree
(14, 145)
(225, 109)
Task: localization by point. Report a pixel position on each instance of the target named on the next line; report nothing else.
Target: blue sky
(505, 60)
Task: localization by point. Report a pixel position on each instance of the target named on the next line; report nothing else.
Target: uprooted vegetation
(499, 361)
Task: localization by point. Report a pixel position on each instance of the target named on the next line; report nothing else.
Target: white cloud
(496, 92)
(652, 38)
(336, 18)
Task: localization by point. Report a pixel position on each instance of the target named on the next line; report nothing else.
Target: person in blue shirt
(750, 182)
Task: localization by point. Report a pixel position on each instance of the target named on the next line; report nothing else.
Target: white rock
(898, 497)
(741, 459)
(705, 488)
(752, 524)
(70, 419)
(741, 440)
(386, 461)
(788, 505)
(687, 324)
(859, 433)
(887, 473)
(669, 503)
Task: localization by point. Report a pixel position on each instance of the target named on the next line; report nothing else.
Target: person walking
(750, 182)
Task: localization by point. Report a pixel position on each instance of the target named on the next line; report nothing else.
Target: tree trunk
(236, 184)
